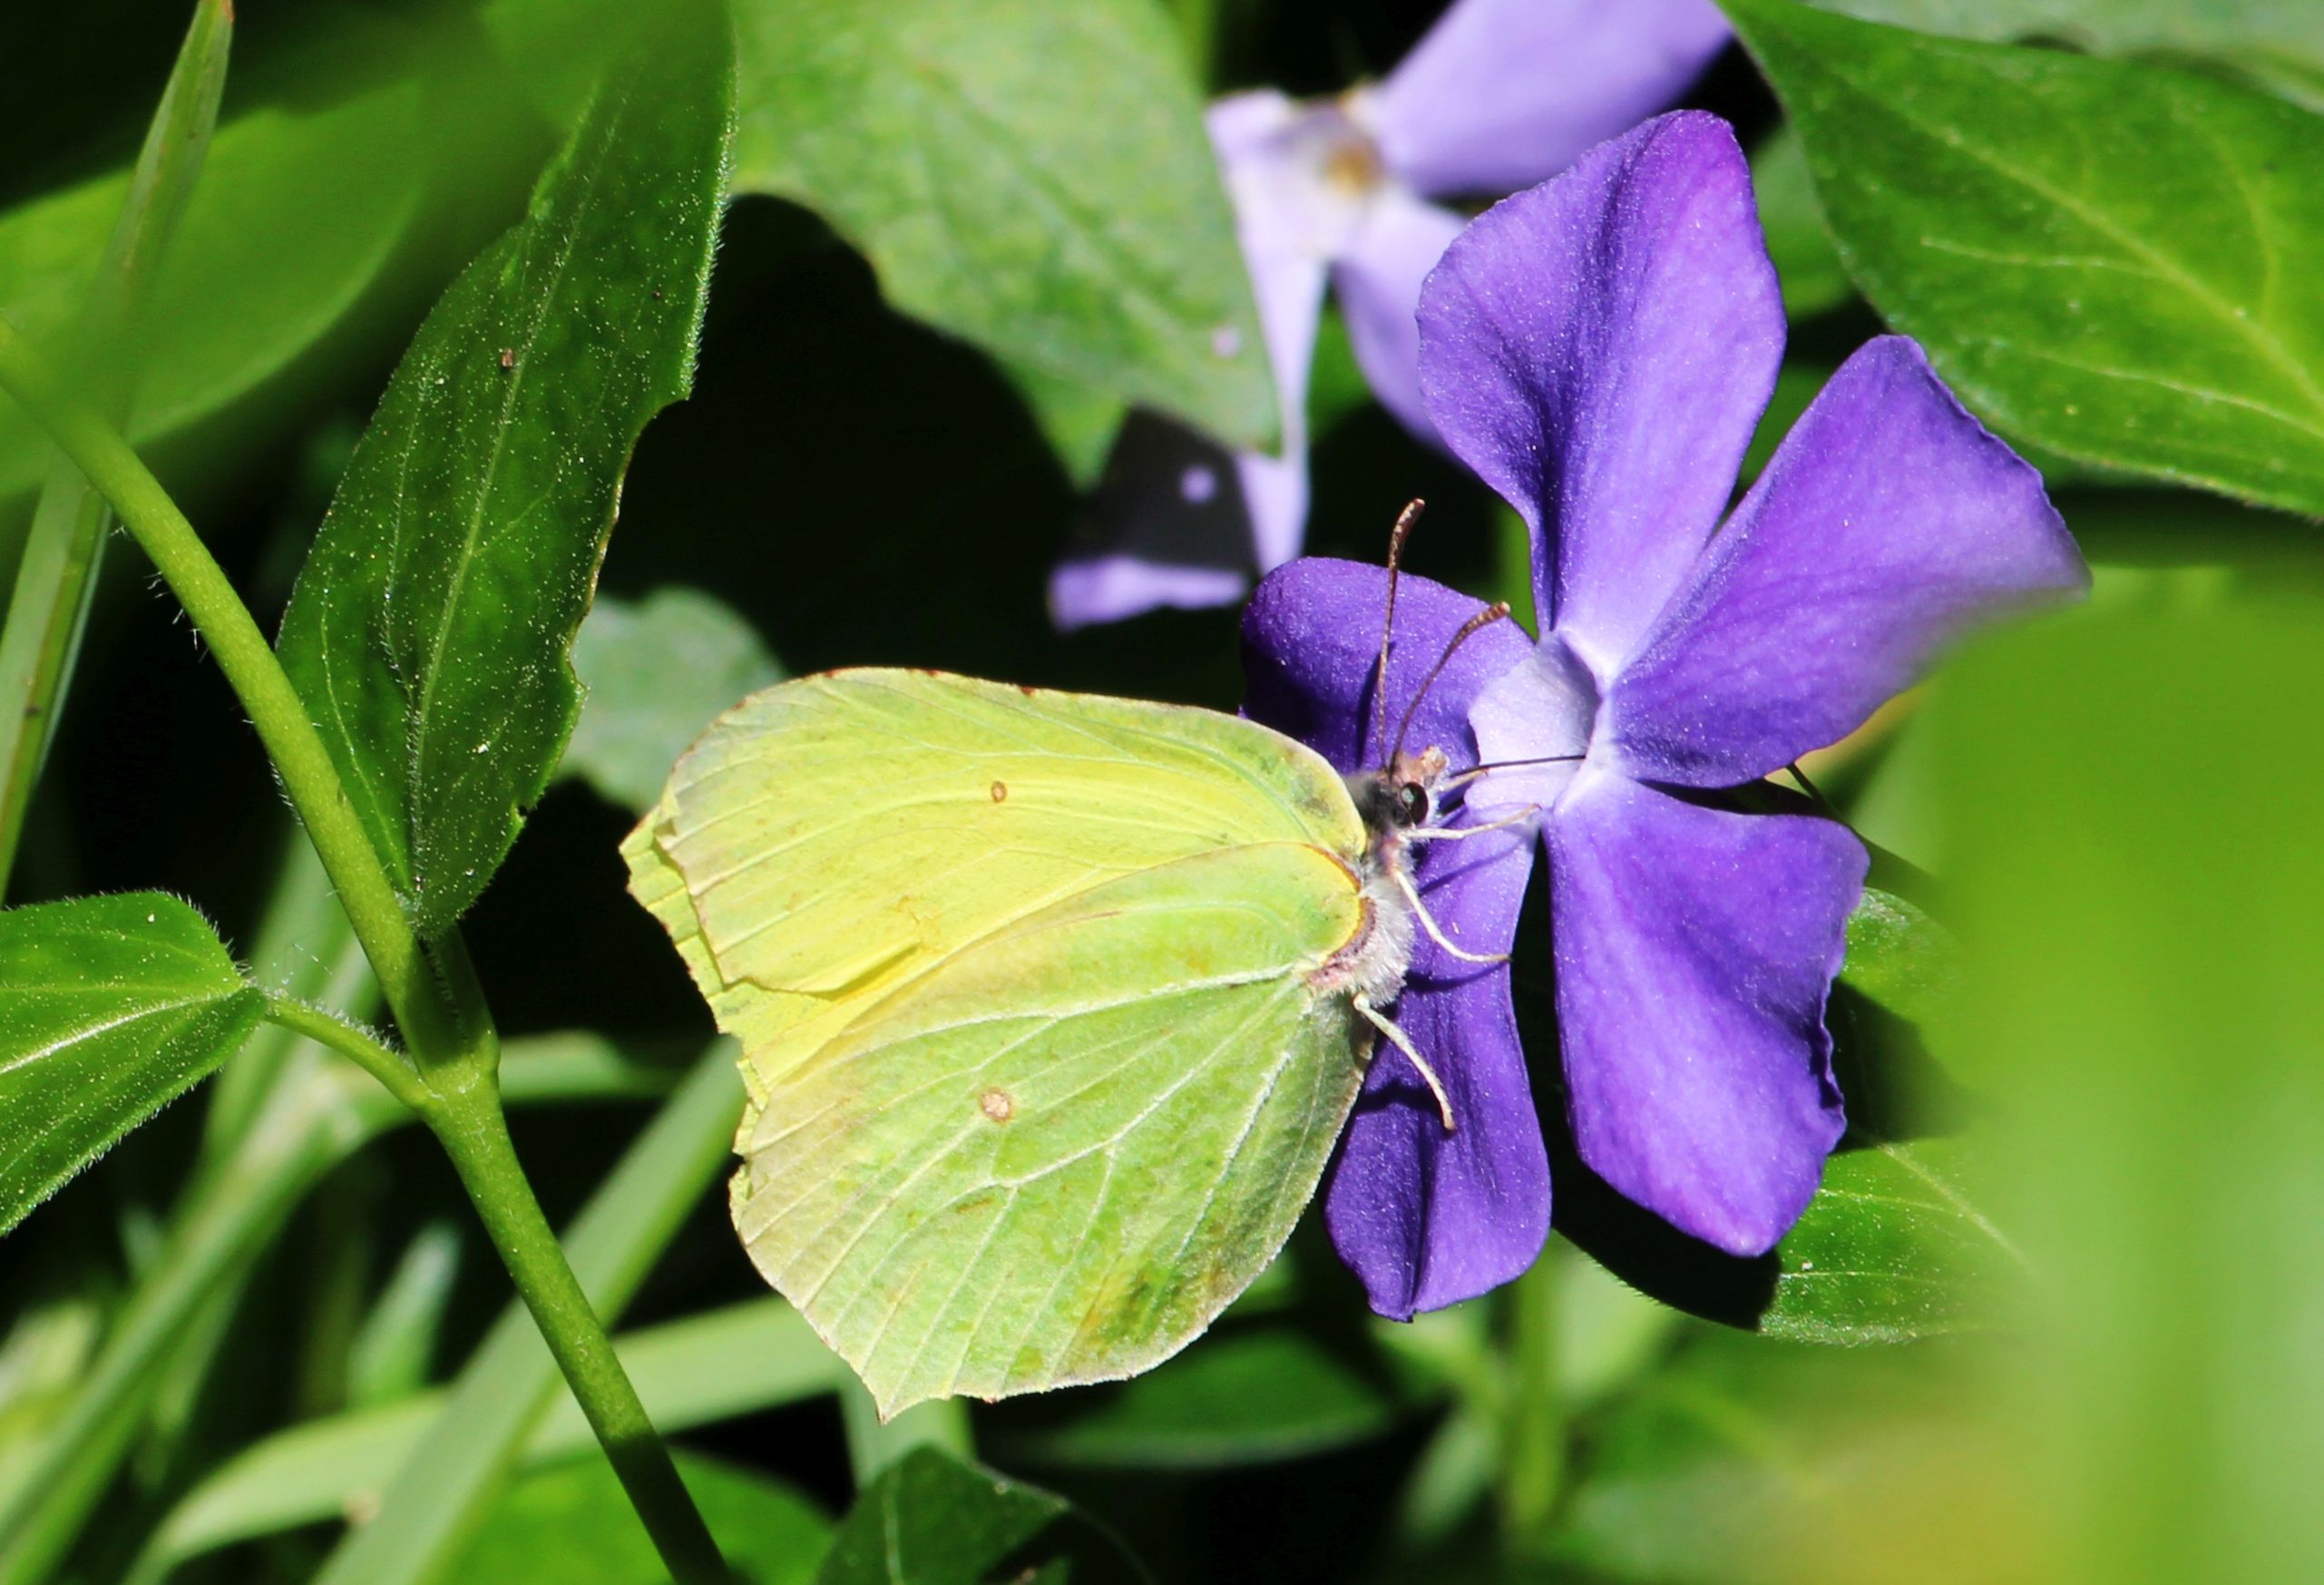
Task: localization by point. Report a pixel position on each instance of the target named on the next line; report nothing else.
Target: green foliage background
(2072, 1238)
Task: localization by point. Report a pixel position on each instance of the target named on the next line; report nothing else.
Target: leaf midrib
(2247, 327)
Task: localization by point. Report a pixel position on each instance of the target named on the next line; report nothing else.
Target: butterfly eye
(1411, 804)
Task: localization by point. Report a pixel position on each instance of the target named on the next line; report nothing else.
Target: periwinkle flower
(1498, 95)
(1599, 350)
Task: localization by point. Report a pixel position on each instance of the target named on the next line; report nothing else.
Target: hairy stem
(444, 1021)
(357, 1044)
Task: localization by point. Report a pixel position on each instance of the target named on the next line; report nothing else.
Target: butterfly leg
(1428, 922)
(1403, 1043)
(1456, 834)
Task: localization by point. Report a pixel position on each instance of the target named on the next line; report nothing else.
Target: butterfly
(1052, 1006)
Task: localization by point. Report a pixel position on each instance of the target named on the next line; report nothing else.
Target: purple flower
(1600, 349)
(1498, 94)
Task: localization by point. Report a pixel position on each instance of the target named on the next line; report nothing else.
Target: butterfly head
(1407, 794)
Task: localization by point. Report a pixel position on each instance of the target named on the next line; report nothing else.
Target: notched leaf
(430, 627)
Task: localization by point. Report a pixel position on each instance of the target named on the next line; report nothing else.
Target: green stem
(444, 1490)
(50, 604)
(359, 1045)
(1533, 1454)
(474, 1133)
(308, 775)
(444, 1022)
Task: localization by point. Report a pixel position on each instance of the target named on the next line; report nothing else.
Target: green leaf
(2212, 26)
(1249, 1394)
(110, 1008)
(429, 629)
(574, 1525)
(388, 1357)
(297, 215)
(1029, 176)
(931, 1519)
(2141, 310)
(655, 673)
(1900, 956)
(1080, 422)
(1892, 1248)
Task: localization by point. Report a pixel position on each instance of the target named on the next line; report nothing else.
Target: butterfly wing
(1040, 1080)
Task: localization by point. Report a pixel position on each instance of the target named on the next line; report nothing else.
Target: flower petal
(1695, 948)
(1288, 275)
(1502, 93)
(1378, 281)
(1888, 523)
(1599, 350)
(1424, 1218)
(1310, 638)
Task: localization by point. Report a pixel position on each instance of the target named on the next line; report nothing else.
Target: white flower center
(1541, 714)
(1317, 178)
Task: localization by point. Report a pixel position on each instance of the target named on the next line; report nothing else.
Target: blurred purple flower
(1600, 349)
(1498, 95)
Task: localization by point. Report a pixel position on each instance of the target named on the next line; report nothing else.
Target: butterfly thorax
(1396, 800)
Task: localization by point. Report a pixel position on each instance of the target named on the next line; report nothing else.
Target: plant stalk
(309, 773)
(359, 1045)
(1533, 1454)
(444, 1020)
(473, 1130)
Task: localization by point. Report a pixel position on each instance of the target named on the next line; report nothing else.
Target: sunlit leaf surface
(2138, 304)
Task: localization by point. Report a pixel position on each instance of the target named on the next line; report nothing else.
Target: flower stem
(443, 1019)
(474, 1133)
(1533, 1455)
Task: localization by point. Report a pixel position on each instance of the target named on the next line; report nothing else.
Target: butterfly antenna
(1482, 619)
(1463, 777)
(1396, 538)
